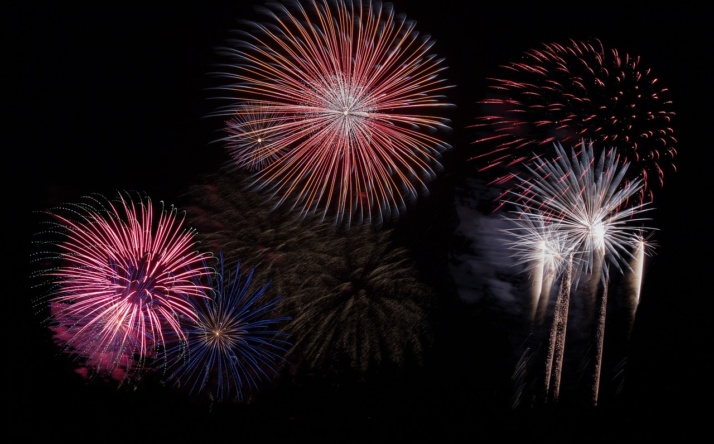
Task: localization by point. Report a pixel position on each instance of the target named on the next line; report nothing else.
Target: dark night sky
(100, 98)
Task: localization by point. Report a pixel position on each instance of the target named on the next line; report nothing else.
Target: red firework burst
(574, 92)
(349, 97)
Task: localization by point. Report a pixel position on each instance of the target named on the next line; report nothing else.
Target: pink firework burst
(122, 281)
(349, 96)
(564, 93)
(255, 137)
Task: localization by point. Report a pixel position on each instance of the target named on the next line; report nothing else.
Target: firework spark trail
(637, 266)
(556, 343)
(566, 92)
(122, 279)
(353, 97)
(643, 248)
(599, 340)
(237, 342)
(584, 196)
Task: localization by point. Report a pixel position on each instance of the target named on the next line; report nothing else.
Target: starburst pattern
(545, 251)
(254, 136)
(236, 343)
(566, 92)
(362, 307)
(351, 98)
(122, 277)
(586, 197)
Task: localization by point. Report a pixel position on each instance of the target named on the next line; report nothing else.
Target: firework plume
(643, 248)
(335, 105)
(583, 199)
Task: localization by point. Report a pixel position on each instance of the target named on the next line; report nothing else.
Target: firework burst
(566, 92)
(546, 250)
(248, 227)
(362, 307)
(583, 199)
(350, 98)
(254, 136)
(355, 299)
(543, 249)
(586, 197)
(122, 277)
(236, 343)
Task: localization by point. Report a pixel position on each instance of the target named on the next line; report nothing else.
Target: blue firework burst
(237, 343)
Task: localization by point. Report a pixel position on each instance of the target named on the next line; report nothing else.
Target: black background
(105, 97)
